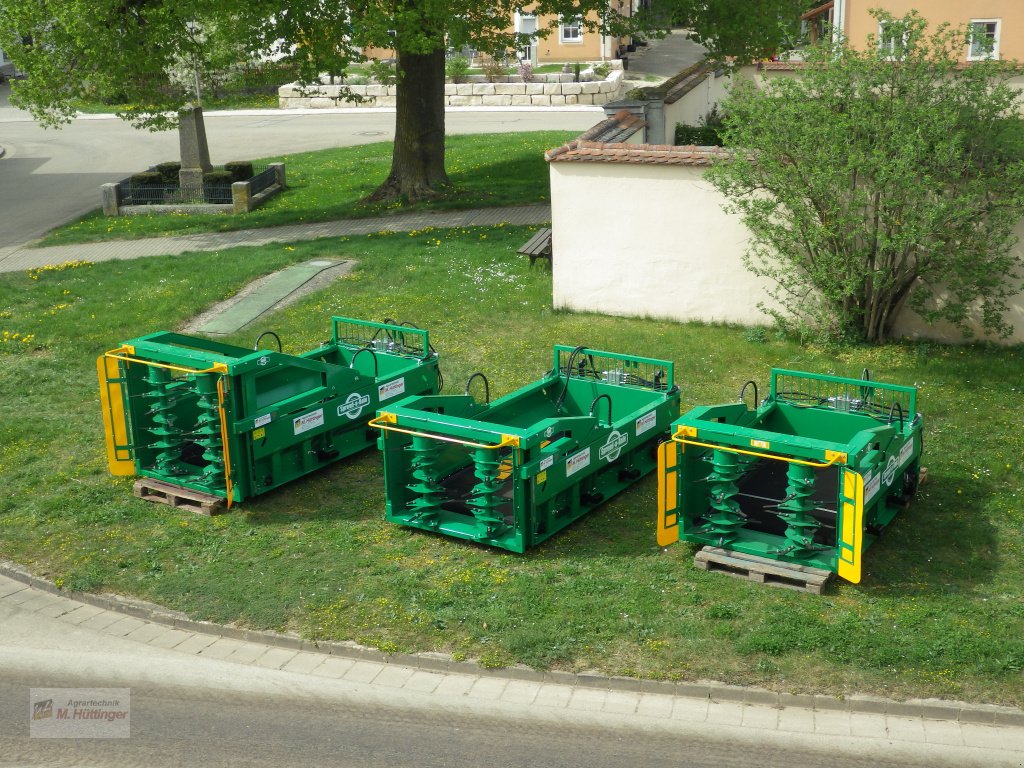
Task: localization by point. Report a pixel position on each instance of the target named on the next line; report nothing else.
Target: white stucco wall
(650, 240)
(655, 241)
(693, 106)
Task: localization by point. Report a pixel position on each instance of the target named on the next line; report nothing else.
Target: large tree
(421, 31)
(149, 56)
(882, 176)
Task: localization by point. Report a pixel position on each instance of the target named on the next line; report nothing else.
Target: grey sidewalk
(23, 257)
(976, 736)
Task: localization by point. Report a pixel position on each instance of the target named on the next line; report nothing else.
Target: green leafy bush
(240, 170)
(457, 68)
(168, 171)
(383, 72)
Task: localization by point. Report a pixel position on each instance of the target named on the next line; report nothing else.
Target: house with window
(997, 25)
(569, 39)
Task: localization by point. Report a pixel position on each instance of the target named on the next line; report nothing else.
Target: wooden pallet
(182, 498)
(763, 570)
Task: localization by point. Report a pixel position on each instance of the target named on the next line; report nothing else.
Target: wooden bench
(538, 247)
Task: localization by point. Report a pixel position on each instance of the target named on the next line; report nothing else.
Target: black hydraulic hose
(487, 386)
(267, 333)
(897, 407)
(743, 391)
(568, 374)
(376, 366)
(598, 399)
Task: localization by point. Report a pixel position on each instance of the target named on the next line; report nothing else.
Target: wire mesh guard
(581, 363)
(881, 401)
(397, 339)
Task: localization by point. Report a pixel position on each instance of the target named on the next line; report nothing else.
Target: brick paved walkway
(990, 734)
(23, 257)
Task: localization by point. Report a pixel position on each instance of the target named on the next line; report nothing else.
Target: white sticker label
(546, 462)
(647, 422)
(262, 420)
(309, 421)
(353, 405)
(391, 389)
(874, 482)
(613, 446)
(577, 462)
(906, 450)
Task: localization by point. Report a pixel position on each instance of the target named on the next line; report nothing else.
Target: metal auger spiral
(207, 434)
(725, 518)
(487, 468)
(795, 509)
(429, 494)
(168, 440)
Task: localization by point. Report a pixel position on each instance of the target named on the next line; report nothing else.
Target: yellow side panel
(115, 425)
(851, 543)
(668, 497)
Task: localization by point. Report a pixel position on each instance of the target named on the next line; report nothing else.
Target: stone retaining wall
(534, 94)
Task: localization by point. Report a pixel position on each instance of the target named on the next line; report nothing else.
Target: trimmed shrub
(148, 179)
(701, 135)
(240, 170)
(218, 177)
(168, 171)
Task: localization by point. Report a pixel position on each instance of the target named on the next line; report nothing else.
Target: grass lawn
(487, 170)
(940, 611)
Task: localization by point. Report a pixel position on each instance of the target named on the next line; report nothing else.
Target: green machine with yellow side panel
(235, 422)
(513, 472)
(809, 476)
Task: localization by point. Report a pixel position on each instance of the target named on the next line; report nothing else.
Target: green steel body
(513, 472)
(237, 422)
(809, 476)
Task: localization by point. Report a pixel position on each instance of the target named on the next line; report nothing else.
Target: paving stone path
(25, 257)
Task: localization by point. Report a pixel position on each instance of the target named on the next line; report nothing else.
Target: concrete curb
(930, 709)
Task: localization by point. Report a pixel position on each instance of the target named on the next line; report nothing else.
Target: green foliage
(168, 171)
(601, 70)
(456, 69)
(240, 170)
(494, 68)
(218, 176)
(701, 135)
(741, 29)
(150, 179)
(382, 71)
(881, 179)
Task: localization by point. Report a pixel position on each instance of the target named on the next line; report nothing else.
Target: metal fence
(130, 193)
(263, 179)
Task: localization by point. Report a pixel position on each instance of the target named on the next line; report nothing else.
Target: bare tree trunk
(417, 165)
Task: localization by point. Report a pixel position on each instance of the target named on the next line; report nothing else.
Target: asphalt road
(190, 710)
(51, 176)
(175, 727)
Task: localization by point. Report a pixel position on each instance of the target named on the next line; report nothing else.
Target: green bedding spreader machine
(235, 422)
(513, 472)
(810, 476)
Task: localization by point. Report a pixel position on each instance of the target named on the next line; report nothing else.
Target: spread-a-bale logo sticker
(353, 405)
(890, 471)
(613, 446)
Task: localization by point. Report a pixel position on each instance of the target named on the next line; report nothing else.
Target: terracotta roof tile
(580, 150)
